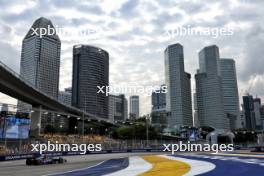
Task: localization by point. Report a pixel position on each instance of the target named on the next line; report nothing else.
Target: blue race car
(42, 160)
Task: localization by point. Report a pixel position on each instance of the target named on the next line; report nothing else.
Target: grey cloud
(61, 21)
(168, 3)
(257, 88)
(188, 7)
(122, 37)
(10, 56)
(192, 8)
(6, 3)
(251, 1)
(113, 25)
(164, 18)
(93, 9)
(5, 29)
(64, 3)
(244, 15)
(27, 15)
(128, 8)
(254, 59)
(218, 21)
(79, 21)
(42, 8)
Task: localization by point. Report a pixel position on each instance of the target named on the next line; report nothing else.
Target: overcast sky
(134, 34)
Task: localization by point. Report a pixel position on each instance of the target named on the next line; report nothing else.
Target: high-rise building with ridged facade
(209, 92)
(230, 91)
(178, 82)
(40, 63)
(90, 70)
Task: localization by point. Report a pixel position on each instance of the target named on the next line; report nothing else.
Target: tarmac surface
(19, 167)
(145, 164)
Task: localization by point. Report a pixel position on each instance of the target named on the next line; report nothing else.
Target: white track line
(197, 167)
(137, 165)
(238, 154)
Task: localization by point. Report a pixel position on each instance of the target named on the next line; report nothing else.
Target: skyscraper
(257, 112)
(262, 116)
(262, 112)
(178, 97)
(230, 91)
(209, 90)
(40, 58)
(158, 99)
(241, 121)
(195, 111)
(248, 107)
(65, 96)
(117, 108)
(90, 70)
(134, 107)
(40, 61)
(158, 110)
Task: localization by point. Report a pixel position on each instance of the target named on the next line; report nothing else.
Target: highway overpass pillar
(35, 122)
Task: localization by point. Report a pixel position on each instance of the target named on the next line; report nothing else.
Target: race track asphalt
(134, 164)
(232, 166)
(19, 167)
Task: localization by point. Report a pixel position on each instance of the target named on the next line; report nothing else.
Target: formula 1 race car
(42, 160)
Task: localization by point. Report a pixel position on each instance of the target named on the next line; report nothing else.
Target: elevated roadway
(12, 84)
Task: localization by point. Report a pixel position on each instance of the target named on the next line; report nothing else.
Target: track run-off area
(146, 164)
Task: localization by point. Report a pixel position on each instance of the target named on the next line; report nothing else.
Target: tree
(245, 136)
(135, 131)
(125, 132)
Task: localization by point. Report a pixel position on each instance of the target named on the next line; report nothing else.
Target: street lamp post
(84, 110)
(83, 124)
(91, 130)
(61, 128)
(75, 129)
(147, 130)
